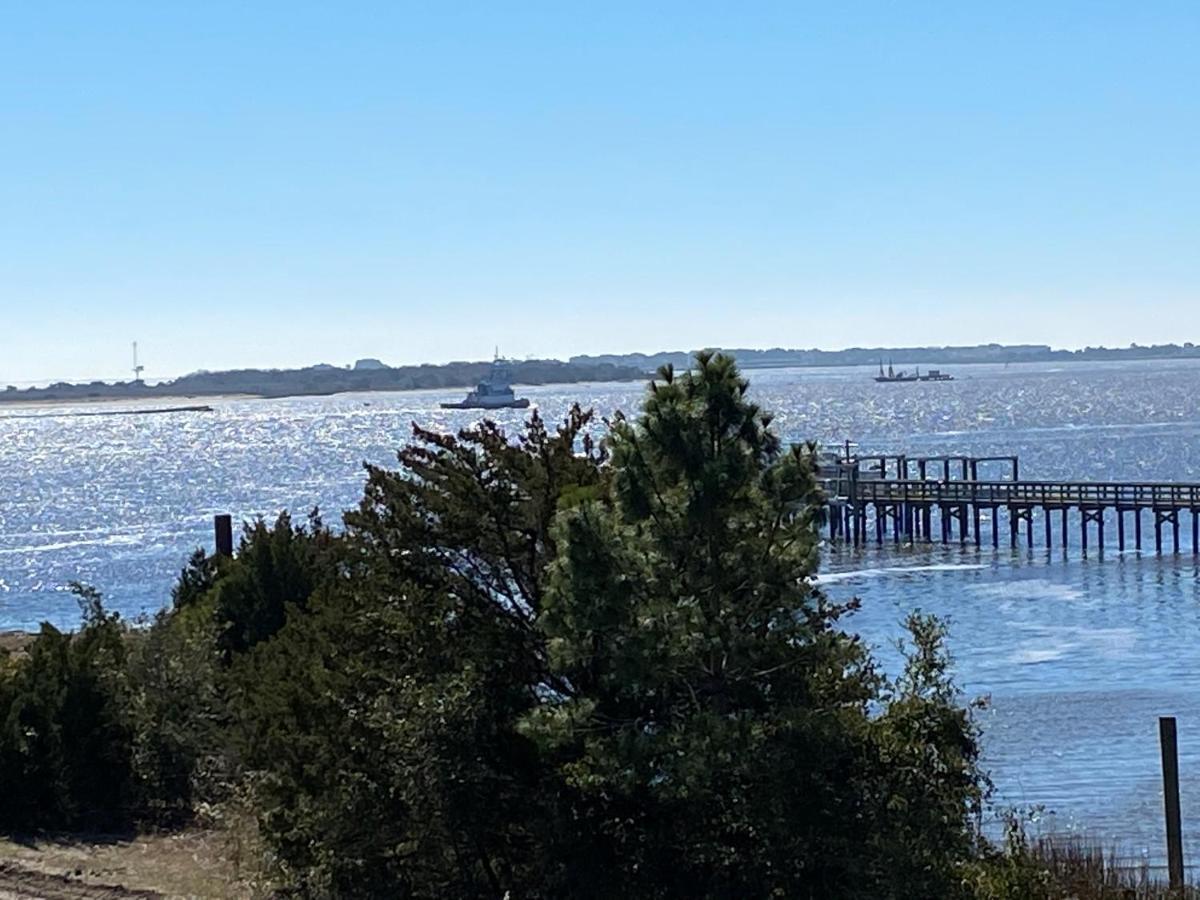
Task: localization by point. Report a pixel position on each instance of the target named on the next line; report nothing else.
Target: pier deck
(878, 494)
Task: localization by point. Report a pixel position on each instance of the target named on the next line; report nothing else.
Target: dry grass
(191, 864)
(1084, 871)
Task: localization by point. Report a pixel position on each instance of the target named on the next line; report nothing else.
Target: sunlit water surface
(1078, 656)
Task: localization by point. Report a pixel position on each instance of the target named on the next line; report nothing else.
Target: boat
(494, 392)
(936, 375)
(892, 375)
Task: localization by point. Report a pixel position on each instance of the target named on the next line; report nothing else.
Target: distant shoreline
(978, 354)
(315, 381)
(324, 381)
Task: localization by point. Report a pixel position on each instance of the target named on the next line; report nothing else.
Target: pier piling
(223, 534)
(905, 506)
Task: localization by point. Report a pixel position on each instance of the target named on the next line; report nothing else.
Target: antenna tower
(137, 369)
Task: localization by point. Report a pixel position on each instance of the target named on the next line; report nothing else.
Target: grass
(200, 864)
(1083, 871)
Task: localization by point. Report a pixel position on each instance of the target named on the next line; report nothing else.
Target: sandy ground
(204, 865)
(23, 884)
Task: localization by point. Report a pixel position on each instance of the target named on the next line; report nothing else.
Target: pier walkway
(948, 502)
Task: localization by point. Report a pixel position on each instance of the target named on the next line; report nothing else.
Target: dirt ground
(15, 641)
(193, 864)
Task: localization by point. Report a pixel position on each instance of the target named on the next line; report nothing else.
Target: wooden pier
(878, 497)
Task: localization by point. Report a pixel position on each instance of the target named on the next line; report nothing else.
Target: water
(1078, 656)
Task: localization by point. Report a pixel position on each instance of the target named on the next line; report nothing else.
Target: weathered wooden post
(223, 533)
(1170, 770)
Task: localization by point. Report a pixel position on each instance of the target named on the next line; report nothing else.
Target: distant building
(369, 365)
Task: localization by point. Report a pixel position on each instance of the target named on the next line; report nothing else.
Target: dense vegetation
(540, 665)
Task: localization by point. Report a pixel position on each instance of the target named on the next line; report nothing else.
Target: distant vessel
(892, 375)
(935, 375)
(494, 392)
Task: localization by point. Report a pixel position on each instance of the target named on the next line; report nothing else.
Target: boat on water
(936, 375)
(893, 376)
(494, 392)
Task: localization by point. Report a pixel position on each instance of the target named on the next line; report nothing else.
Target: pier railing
(880, 491)
(1046, 494)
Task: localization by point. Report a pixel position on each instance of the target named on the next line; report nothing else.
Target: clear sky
(257, 184)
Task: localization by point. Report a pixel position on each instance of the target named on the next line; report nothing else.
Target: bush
(65, 737)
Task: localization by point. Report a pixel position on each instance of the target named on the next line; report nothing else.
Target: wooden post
(1137, 527)
(1013, 523)
(1029, 527)
(223, 534)
(995, 527)
(975, 521)
(1175, 531)
(1158, 532)
(1046, 520)
(1120, 529)
(1100, 531)
(1195, 534)
(1083, 517)
(1170, 771)
(1065, 532)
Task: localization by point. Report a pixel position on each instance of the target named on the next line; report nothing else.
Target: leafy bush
(65, 738)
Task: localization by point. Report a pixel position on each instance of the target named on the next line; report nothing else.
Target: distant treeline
(863, 356)
(327, 380)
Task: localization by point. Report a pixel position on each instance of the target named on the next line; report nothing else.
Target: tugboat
(494, 392)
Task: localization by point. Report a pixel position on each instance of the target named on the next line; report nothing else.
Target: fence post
(1170, 770)
(223, 533)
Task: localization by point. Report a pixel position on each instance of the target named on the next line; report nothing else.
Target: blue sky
(240, 184)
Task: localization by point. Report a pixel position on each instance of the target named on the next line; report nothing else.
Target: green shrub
(65, 737)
